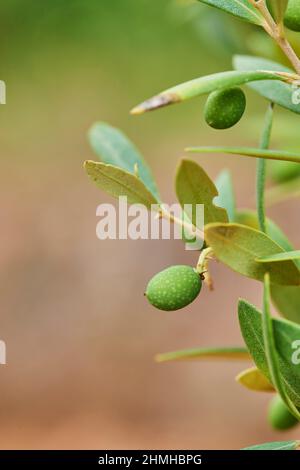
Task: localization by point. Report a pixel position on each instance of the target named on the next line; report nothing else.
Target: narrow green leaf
(249, 152)
(204, 85)
(113, 147)
(261, 168)
(193, 186)
(269, 343)
(289, 255)
(280, 445)
(227, 353)
(277, 92)
(226, 198)
(243, 9)
(253, 379)
(118, 182)
(238, 246)
(285, 335)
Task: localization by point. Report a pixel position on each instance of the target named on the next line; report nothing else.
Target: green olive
(284, 171)
(292, 15)
(174, 288)
(224, 108)
(279, 415)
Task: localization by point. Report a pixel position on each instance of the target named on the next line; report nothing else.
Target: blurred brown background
(80, 336)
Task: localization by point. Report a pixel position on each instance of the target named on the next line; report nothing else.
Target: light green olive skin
(174, 288)
(284, 171)
(224, 108)
(279, 415)
(292, 15)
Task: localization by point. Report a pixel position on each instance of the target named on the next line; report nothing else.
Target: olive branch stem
(191, 229)
(276, 31)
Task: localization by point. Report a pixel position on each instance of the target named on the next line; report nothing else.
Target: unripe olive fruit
(174, 287)
(279, 415)
(292, 15)
(224, 108)
(284, 171)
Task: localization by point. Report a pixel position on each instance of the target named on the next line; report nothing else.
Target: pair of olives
(224, 108)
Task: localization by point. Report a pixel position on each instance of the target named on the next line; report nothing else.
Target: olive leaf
(226, 198)
(238, 246)
(193, 186)
(253, 379)
(113, 147)
(227, 353)
(249, 218)
(289, 255)
(287, 301)
(118, 182)
(249, 152)
(279, 445)
(243, 9)
(204, 85)
(285, 298)
(270, 345)
(285, 334)
(277, 92)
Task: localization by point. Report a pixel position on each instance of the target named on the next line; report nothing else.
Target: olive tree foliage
(246, 241)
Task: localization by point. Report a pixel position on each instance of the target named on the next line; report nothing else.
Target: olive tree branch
(276, 31)
(191, 229)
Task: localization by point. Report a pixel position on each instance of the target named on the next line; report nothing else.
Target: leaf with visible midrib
(285, 333)
(238, 246)
(237, 353)
(113, 147)
(193, 186)
(279, 445)
(118, 182)
(241, 8)
(277, 92)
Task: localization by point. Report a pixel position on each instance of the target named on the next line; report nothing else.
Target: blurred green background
(80, 336)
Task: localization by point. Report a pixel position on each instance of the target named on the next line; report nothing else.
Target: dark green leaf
(277, 92)
(238, 246)
(285, 334)
(113, 147)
